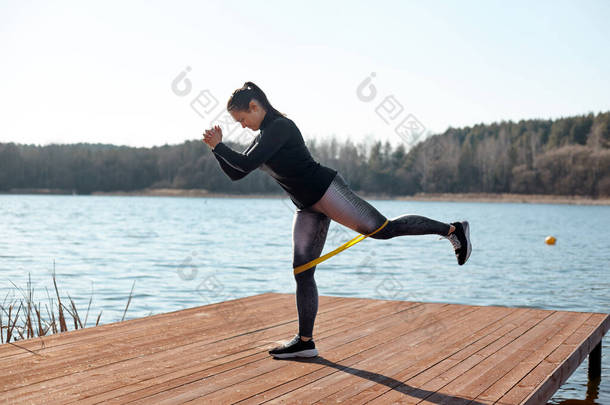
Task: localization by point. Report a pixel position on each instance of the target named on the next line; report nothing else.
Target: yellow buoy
(550, 240)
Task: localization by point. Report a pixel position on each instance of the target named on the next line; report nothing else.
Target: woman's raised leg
(342, 205)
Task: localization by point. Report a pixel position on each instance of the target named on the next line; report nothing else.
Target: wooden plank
(371, 351)
(518, 369)
(426, 386)
(114, 329)
(295, 381)
(174, 343)
(540, 384)
(416, 379)
(156, 324)
(363, 347)
(379, 349)
(127, 367)
(488, 370)
(184, 387)
(107, 345)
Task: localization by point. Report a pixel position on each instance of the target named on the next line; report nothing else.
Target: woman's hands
(212, 137)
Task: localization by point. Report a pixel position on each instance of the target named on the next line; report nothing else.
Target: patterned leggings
(310, 227)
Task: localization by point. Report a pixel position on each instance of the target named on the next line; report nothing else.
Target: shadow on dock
(387, 381)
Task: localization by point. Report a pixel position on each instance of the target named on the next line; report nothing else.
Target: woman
(319, 193)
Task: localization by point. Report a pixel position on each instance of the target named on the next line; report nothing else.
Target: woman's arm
(269, 142)
(233, 173)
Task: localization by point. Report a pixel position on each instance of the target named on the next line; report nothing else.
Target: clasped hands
(212, 137)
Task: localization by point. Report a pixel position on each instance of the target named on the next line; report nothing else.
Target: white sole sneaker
(466, 227)
(302, 353)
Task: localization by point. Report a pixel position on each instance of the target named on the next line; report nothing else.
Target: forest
(565, 156)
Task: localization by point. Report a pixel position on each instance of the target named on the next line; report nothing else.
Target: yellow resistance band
(341, 248)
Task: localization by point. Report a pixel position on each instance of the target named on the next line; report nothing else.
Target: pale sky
(82, 71)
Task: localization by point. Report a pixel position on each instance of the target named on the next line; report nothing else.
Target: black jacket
(280, 151)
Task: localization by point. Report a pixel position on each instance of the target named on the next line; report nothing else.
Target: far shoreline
(441, 197)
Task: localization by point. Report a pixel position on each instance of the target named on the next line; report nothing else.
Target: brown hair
(240, 99)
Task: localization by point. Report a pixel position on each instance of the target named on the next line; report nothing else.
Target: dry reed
(24, 318)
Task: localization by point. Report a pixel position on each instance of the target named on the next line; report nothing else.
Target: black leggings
(310, 227)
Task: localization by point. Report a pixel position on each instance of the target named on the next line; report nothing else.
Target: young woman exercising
(319, 194)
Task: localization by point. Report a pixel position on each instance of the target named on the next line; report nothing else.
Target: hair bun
(241, 98)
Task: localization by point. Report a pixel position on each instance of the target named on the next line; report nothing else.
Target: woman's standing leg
(309, 232)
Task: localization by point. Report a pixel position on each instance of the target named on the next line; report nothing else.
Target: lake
(185, 252)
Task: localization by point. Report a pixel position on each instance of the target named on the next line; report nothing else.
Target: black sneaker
(460, 239)
(295, 348)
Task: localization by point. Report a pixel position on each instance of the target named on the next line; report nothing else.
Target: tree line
(566, 156)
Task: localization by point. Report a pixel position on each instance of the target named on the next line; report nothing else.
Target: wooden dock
(371, 351)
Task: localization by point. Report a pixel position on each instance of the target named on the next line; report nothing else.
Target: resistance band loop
(341, 248)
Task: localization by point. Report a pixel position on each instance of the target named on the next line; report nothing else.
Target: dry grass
(24, 319)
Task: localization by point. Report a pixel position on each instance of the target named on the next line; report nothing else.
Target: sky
(145, 73)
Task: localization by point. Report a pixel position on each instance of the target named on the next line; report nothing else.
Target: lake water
(185, 252)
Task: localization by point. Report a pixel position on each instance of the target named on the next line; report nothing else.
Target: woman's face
(251, 118)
